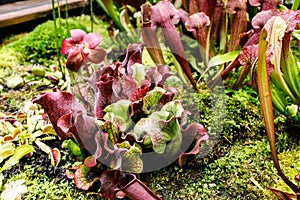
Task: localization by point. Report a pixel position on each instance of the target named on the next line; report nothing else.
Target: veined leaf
(131, 160)
(152, 98)
(118, 113)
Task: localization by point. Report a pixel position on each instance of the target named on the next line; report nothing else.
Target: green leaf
(278, 98)
(125, 145)
(174, 145)
(45, 148)
(131, 160)
(118, 113)
(139, 72)
(151, 127)
(174, 108)
(112, 131)
(173, 130)
(73, 147)
(296, 34)
(292, 110)
(223, 58)
(20, 152)
(296, 4)
(152, 98)
(291, 74)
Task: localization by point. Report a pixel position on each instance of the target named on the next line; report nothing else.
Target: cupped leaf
(56, 105)
(81, 178)
(133, 56)
(239, 21)
(162, 127)
(118, 113)
(90, 161)
(139, 72)
(174, 108)
(149, 35)
(151, 127)
(109, 183)
(198, 24)
(131, 160)
(165, 15)
(276, 28)
(266, 4)
(70, 172)
(81, 127)
(113, 181)
(152, 98)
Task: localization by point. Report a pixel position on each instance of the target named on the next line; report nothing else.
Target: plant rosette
(125, 114)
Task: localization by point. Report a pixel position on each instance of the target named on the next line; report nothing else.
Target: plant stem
(92, 15)
(57, 40)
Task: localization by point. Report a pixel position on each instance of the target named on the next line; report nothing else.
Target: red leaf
(56, 105)
(55, 157)
(195, 132)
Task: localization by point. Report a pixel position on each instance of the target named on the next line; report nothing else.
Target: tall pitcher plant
(277, 77)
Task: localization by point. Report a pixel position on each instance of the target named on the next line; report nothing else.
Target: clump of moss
(8, 58)
(290, 164)
(242, 119)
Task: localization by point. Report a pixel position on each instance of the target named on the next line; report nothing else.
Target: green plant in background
(43, 51)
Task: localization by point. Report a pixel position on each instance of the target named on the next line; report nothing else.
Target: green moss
(290, 164)
(8, 58)
(242, 116)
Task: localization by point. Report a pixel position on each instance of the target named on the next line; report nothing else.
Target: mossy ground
(238, 167)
